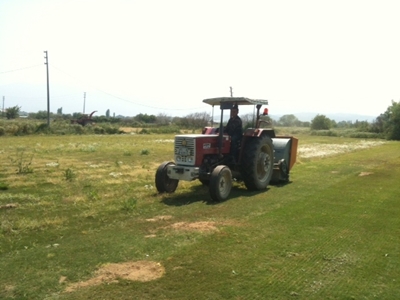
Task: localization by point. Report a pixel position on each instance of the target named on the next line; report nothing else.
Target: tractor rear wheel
(204, 181)
(220, 183)
(164, 184)
(258, 163)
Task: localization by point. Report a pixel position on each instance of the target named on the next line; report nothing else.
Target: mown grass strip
(329, 234)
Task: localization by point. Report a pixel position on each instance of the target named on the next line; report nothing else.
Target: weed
(22, 163)
(93, 195)
(3, 186)
(129, 205)
(144, 152)
(69, 174)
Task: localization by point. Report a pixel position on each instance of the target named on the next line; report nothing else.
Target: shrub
(42, 128)
(69, 174)
(22, 162)
(27, 128)
(112, 130)
(3, 186)
(99, 130)
(78, 129)
(129, 205)
(144, 152)
(144, 131)
(366, 135)
(323, 133)
(166, 130)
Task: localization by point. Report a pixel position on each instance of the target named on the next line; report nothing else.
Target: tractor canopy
(234, 100)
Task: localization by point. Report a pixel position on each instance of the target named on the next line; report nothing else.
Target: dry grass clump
(135, 271)
(322, 150)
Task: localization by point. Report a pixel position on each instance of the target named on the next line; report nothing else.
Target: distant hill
(338, 117)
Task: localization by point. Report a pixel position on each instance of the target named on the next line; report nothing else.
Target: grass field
(81, 219)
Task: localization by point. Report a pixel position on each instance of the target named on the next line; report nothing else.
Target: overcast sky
(165, 56)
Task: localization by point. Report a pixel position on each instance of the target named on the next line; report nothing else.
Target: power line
(20, 69)
(123, 99)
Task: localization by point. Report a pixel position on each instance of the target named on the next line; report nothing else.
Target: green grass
(91, 200)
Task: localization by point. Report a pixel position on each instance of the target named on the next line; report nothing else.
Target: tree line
(387, 123)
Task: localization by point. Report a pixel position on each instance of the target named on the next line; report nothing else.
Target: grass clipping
(136, 271)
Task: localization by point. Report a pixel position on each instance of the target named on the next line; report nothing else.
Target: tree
(77, 115)
(378, 124)
(362, 126)
(248, 120)
(389, 122)
(145, 118)
(288, 120)
(195, 120)
(321, 122)
(12, 112)
(344, 124)
(163, 119)
(40, 115)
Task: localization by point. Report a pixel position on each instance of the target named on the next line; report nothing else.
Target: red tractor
(262, 155)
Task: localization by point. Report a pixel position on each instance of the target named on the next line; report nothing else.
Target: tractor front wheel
(164, 184)
(220, 183)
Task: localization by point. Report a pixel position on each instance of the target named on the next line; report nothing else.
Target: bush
(366, 135)
(144, 131)
(27, 128)
(42, 128)
(112, 130)
(99, 130)
(323, 133)
(165, 130)
(78, 128)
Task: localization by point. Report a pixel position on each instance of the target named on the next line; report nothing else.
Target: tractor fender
(257, 132)
(254, 133)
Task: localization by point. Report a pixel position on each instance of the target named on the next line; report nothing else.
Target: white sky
(165, 56)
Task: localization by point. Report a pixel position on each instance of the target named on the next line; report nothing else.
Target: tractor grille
(185, 150)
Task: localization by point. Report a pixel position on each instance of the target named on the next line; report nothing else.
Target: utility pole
(231, 91)
(48, 88)
(84, 102)
(2, 111)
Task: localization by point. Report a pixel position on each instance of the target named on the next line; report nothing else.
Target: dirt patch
(195, 226)
(130, 129)
(365, 173)
(8, 206)
(136, 271)
(150, 236)
(159, 218)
